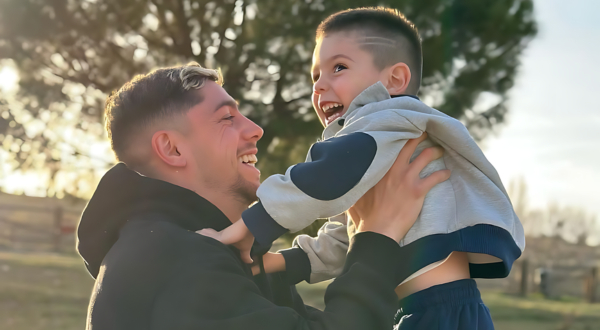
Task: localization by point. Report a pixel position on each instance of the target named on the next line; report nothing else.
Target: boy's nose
(319, 87)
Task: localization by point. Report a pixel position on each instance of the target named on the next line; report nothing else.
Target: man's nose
(251, 131)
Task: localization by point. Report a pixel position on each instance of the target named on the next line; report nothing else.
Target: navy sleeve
(336, 166)
(261, 225)
(297, 265)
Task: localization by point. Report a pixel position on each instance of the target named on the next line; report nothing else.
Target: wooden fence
(555, 280)
(38, 228)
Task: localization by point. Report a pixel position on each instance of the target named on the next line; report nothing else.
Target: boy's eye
(339, 67)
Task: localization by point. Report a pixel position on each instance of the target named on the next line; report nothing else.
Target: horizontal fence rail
(38, 228)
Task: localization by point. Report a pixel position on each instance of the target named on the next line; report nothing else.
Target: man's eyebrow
(231, 103)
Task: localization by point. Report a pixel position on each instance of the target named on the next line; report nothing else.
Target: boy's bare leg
(454, 268)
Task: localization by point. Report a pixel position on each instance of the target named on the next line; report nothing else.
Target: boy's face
(341, 70)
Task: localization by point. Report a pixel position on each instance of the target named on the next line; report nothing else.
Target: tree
(70, 54)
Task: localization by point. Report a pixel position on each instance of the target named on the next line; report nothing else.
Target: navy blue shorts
(451, 306)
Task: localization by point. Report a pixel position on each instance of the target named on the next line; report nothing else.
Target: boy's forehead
(347, 41)
(338, 43)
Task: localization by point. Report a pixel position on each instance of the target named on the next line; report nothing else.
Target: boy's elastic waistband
(453, 293)
(481, 238)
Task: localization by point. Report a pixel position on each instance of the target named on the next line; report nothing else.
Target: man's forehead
(213, 97)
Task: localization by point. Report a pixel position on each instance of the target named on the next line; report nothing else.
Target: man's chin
(245, 190)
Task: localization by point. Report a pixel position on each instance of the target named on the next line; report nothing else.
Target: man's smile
(249, 159)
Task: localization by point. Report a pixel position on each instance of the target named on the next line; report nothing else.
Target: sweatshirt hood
(122, 195)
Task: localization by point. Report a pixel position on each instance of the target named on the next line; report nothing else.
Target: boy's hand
(237, 235)
(273, 263)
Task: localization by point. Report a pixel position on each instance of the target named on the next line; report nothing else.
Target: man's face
(222, 144)
(341, 70)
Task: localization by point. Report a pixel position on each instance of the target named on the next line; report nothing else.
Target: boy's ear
(398, 78)
(164, 145)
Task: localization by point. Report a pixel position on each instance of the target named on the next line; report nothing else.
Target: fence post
(545, 282)
(58, 215)
(524, 277)
(591, 283)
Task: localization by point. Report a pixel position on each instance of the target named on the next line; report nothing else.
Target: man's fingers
(354, 217)
(433, 179)
(410, 147)
(427, 156)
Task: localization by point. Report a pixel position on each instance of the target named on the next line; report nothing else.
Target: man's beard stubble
(243, 191)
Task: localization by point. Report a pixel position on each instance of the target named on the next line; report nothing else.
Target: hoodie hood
(122, 195)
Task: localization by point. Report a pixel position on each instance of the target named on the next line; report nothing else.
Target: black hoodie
(137, 237)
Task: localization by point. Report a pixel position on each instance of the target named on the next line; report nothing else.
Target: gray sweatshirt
(470, 212)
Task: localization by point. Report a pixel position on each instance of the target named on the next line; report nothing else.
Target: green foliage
(70, 54)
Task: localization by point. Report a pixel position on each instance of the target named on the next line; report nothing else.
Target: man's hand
(273, 263)
(237, 235)
(392, 206)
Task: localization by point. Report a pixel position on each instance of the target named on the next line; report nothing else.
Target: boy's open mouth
(332, 112)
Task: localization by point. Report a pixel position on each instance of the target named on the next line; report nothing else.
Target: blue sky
(552, 136)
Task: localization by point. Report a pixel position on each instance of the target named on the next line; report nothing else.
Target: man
(190, 158)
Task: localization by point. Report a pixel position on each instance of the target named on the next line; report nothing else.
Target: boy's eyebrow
(340, 55)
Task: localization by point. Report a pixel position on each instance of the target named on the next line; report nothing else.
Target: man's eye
(339, 68)
(230, 117)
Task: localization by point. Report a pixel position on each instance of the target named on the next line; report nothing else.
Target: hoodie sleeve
(326, 252)
(216, 293)
(337, 172)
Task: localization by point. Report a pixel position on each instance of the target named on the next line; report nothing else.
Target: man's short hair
(389, 36)
(146, 99)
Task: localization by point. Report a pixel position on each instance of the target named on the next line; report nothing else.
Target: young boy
(366, 72)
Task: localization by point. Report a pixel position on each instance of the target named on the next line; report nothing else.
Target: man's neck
(232, 207)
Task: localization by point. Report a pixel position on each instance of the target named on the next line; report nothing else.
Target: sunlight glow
(8, 79)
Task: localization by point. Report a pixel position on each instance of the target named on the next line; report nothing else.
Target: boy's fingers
(245, 255)
(427, 156)
(255, 269)
(221, 236)
(410, 147)
(435, 178)
(209, 233)
(234, 233)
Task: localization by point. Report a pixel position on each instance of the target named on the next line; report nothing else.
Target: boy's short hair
(146, 99)
(390, 37)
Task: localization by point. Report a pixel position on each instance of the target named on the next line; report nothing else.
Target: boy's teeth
(331, 105)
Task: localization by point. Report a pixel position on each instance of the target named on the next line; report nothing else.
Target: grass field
(51, 292)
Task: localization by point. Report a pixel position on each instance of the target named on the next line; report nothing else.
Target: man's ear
(398, 78)
(164, 145)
